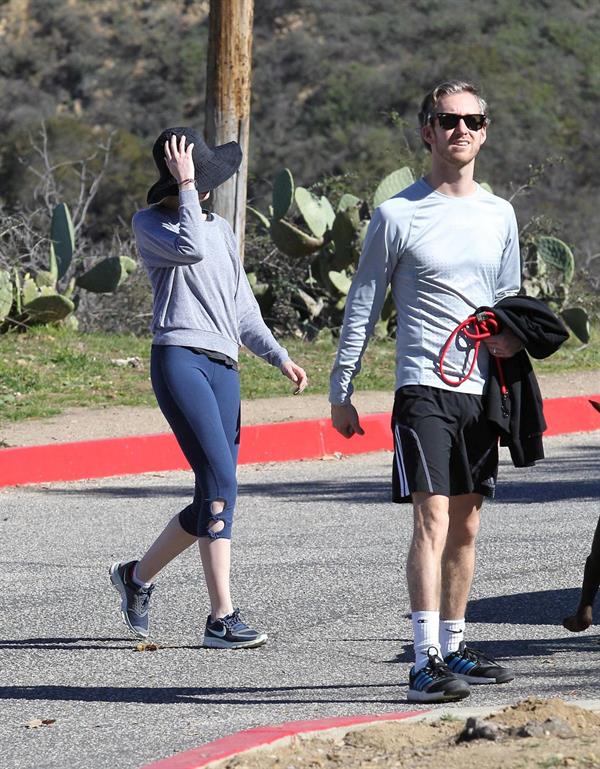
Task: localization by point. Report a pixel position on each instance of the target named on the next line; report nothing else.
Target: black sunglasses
(449, 120)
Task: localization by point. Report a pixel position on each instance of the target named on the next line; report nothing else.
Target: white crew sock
(426, 629)
(452, 632)
(137, 580)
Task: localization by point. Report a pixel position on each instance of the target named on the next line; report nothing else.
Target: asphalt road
(319, 559)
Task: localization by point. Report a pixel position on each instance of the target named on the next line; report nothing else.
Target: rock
(477, 729)
(554, 726)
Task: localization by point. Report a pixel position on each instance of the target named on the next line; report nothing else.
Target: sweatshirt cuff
(189, 197)
(279, 357)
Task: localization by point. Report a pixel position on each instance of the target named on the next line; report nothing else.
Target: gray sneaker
(231, 632)
(134, 599)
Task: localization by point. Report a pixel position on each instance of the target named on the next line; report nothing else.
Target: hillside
(336, 87)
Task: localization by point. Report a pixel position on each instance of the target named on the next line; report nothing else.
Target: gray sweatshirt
(202, 297)
(442, 257)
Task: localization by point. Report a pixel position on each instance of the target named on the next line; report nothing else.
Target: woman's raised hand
(179, 159)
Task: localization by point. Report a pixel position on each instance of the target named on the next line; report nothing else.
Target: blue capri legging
(200, 398)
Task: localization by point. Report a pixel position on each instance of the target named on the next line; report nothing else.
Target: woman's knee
(209, 518)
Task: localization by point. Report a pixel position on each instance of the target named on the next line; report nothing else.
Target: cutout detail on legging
(216, 524)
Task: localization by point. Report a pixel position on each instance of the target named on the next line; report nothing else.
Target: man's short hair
(449, 87)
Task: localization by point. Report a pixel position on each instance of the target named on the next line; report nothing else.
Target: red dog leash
(476, 328)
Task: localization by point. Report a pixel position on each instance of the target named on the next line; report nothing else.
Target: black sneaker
(435, 682)
(231, 632)
(134, 599)
(474, 667)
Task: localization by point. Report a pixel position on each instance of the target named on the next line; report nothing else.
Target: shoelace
(436, 666)
(476, 328)
(141, 599)
(474, 655)
(232, 620)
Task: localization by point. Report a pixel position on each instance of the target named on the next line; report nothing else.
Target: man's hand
(297, 375)
(345, 420)
(504, 345)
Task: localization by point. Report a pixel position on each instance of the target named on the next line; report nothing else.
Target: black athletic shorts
(443, 444)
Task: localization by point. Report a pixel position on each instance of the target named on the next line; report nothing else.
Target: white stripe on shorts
(404, 488)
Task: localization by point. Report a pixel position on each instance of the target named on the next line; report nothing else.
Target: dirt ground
(532, 733)
(82, 424)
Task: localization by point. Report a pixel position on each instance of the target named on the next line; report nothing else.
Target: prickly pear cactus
(348, 201)
(316, 212)
(260, 216)
(47, 308)
(392, 184)
(283, 193)
(62, 237)
(340, 280)
(344, 233)
(556, 254)
(578, 321)
(45, 278)
(292, 241)
(6, 294)
(106, 276)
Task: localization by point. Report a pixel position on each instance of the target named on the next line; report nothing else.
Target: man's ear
(428, 133)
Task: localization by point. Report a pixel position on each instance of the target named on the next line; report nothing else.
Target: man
(446, 246)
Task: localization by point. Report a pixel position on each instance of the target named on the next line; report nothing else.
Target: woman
(204, 309)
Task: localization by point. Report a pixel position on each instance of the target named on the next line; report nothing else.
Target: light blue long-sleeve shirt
(443, 257)
(202, 297)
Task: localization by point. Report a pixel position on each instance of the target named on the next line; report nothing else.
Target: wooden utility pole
(228, 99)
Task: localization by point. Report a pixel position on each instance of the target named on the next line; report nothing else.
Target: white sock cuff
(453, 624)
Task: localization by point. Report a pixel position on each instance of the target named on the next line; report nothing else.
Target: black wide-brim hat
(214, 165)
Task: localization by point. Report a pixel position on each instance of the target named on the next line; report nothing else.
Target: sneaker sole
(120, 587)
(220, 643)
(416, 696)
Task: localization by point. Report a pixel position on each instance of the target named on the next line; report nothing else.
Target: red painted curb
(279, 442)
(571, 415)
(263, 736)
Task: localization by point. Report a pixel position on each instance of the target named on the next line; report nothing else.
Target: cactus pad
(283, 193)
(62, 235)
(49, 308)
(292, 241)
(392, 184)
(316, 212)
(578, 321)
(45, 278)
(348, 201)
(345, 236)
(6, 294)
(341, 281)
(258, 215)
(556, 254)
(106, 276)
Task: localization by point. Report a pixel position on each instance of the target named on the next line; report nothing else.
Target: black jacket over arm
(520, 420)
